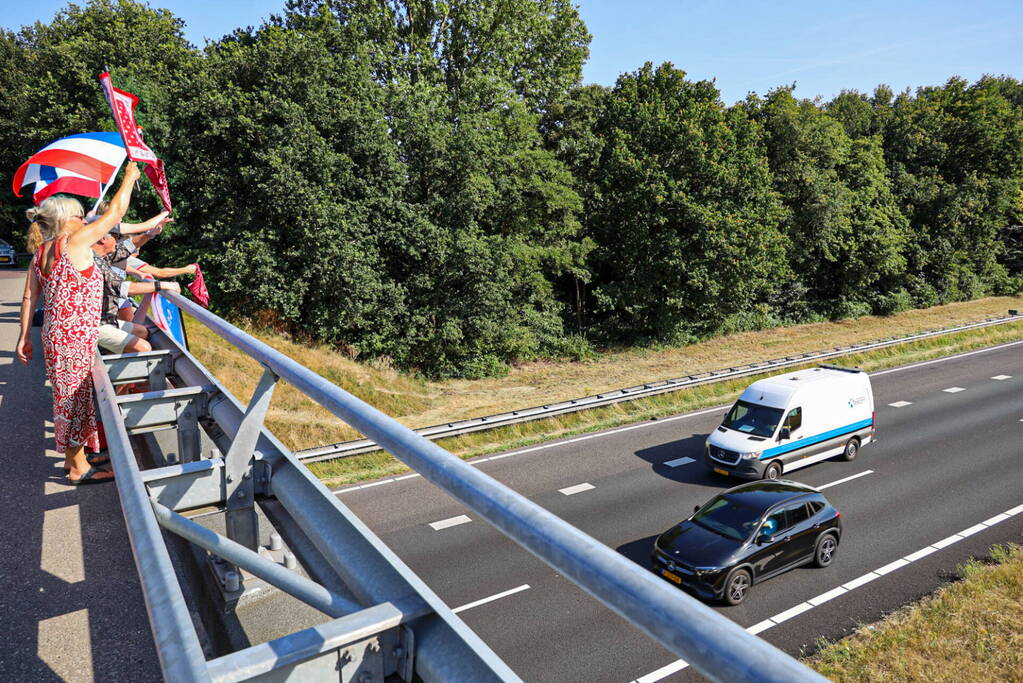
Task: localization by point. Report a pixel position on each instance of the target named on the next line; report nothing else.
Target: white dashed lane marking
(838, 591)
(842, 481)
(450, 522)
(679, 461)
(900, 404)
(484, 601)
(578, 488)
(1001, 377)
(953, 390)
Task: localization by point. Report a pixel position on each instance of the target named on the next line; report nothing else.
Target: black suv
(747, 534)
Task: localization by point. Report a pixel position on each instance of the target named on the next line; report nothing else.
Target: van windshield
(754, 419)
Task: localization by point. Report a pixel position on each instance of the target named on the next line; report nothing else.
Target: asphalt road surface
(930, 493)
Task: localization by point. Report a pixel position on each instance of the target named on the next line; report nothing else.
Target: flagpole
(106, 187)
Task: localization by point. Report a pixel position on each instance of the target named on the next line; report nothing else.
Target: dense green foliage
(427, 180)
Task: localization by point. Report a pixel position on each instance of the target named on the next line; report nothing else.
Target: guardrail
(714, 645)
(356, 447)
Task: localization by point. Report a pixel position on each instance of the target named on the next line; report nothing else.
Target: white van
(786, 422)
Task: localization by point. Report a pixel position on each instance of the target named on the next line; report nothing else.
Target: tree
(955, 154)
(680, 205)
(848, 236)
(407, 220)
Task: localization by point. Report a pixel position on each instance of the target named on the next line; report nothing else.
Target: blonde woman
(72, 287)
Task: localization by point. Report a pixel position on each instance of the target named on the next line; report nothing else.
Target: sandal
(89, 478)
(94, 459)
(101, 458)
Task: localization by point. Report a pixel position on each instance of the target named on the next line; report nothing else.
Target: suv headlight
(704, 572)
(752, 455)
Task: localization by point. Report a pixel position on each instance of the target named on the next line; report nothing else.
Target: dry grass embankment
(966, 632)
(300, 423)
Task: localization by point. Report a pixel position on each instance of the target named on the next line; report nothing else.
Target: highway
(947, 460)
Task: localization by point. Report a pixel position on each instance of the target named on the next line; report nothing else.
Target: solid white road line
(791, 612)
(859, 581)
(891, 566)
(830, 595)
(942, 360)
(953, 390)
(842, 481)
(484, 601)
(764, 625)
(450, 522)
(663, 672)
(679, 461)
(900, 404)
(578, 488)
(1001, 377)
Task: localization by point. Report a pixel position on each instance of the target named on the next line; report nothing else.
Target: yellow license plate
(721, 471)
(671, 577)
(5, 259)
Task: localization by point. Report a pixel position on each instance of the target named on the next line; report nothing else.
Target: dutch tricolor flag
(78, 164)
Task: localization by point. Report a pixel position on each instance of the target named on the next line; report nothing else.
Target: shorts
(126, 303)
(115, 337)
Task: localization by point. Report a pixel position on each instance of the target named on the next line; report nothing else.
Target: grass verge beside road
(968, 631)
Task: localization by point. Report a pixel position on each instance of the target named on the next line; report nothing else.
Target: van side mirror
(785, 433)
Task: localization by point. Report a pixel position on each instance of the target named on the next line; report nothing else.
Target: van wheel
(852, 447)
(773, 470)
(737, 587)
(824, 553)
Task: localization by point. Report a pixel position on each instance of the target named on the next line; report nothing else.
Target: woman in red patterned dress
(72, 287)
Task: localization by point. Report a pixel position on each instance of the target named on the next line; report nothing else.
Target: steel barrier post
(242, 521)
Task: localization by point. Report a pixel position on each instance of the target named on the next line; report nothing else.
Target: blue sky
(822, 46)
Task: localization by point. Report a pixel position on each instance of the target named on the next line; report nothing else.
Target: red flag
(156, 175)
(122, 105)
(198, 288)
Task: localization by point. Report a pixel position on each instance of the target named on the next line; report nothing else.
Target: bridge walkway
(71, 608)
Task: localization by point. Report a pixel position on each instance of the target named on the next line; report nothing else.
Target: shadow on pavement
(691, 473)
(69, 593)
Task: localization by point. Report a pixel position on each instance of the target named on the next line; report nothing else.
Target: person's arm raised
(136, 228)
(88, 235)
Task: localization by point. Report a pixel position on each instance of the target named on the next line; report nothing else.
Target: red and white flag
(122, 104)
(157, 176)
(198, 288)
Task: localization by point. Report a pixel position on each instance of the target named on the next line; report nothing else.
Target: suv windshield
(728, 519)
(753, 419)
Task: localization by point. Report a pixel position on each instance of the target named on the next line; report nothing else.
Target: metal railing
(606, 398)
(444, 648)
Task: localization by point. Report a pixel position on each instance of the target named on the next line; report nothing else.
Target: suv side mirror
(696, 509)
(785, 433)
